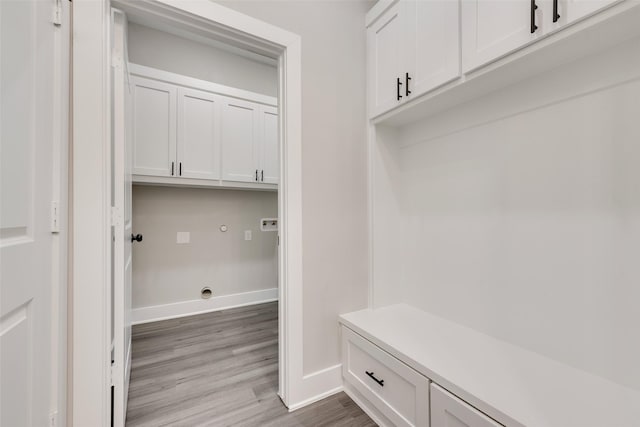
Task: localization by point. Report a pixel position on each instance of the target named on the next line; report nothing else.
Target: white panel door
(154, 127)
(27, 114)
(572, 10)
(122, 229)
(270, 170)
(494, 28)
(198, 134)
(385, 56)
(449, 411)
(240, 134)
(433, 39)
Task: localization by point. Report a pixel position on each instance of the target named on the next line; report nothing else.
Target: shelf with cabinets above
(498, 44)
(191, 132)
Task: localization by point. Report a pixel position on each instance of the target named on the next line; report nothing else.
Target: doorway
(209, 21)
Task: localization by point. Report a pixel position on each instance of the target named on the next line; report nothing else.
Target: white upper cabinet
(154, 132)
(385, 42)
(198, 134)
(270, 154)
(571, 10)
(186, 129)
(240, 147)
(494, 28)
(412, 48)
(433, 40)
(249, 142)
(425, 48)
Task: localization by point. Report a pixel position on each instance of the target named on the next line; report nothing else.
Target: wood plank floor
(220, 369)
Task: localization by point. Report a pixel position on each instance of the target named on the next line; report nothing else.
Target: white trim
(91, 205)
(178, 181)
(321, 384)
(205, 85)
(175, 310)
(377, 10)
(90, 230)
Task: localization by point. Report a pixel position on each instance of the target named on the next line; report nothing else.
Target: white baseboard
(319, 385)
(188, 308)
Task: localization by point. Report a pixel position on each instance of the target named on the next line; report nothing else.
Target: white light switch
(183, 237)
(247, 234)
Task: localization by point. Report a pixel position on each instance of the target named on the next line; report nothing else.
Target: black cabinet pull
(136, 238)
(556, 15)
(406, 86)
(256, 174)
(262, 175)
(180, 168)
(534, 6)
(398, 84)
(172, 167)
(380, 382)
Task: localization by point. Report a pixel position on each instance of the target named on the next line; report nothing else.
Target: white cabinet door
(270, 169)
(385, 58)
(433, 39)
(198, 134)
(494, 28)
(447, 410)
(154, 127)
(240, 149)
(572, 10)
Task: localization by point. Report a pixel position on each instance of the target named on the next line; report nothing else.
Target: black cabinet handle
(398, 84)
(556, 15)
(380, 382)
(262, 175)
(136, 238)
(172, 167)
(534, 6)
(256, 174)
(180, 168)
(406, 86)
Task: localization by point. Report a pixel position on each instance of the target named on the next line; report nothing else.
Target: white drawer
(448, 410)
(396, 390)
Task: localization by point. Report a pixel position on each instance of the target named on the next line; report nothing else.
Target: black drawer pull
(372, 376)
(556, 15)
(534, 6)
(398, 84)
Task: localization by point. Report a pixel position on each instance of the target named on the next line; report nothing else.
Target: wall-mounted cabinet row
(414, 46)
(184, 132)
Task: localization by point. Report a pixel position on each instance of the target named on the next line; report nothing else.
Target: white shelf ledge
(172, 181)
(513, 385)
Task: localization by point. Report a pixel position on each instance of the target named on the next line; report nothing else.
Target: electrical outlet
(183, 237)
(247, 234)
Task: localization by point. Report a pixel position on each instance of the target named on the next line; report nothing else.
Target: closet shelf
(168, 181)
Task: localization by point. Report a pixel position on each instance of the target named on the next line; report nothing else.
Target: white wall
(158, 49)
(519, 214)
(165, 272)
(333, 162)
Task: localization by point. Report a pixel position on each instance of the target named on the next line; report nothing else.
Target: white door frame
(91, 205)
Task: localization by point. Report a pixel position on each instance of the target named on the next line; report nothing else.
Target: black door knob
(136, 238)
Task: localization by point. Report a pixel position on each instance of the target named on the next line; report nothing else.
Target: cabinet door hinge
(57, 13)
